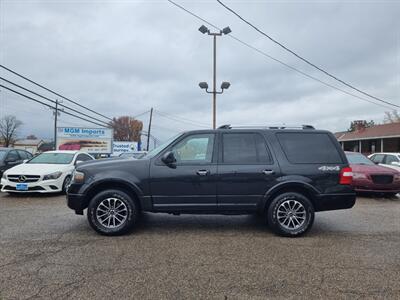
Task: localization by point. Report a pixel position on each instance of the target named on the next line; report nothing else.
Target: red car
(369, 177)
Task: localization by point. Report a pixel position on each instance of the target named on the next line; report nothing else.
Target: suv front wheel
(290, 214)
(112, 212)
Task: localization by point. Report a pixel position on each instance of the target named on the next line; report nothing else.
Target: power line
(182, 118)
(179, 119)
(277, 60)
(304, 59)
(55, 93)
(48, 105)
(53, 101)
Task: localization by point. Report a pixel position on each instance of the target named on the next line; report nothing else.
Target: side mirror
(25, 160)
(168, 158)
(395, 163)
(78, 162)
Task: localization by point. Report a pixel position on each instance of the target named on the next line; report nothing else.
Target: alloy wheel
(291, 214)
(111, 212)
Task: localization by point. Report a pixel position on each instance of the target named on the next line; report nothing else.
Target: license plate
(21, 187)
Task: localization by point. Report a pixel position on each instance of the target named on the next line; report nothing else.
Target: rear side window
(391, 158)
(309, 148)
(244, 148)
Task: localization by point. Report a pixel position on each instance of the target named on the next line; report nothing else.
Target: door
(246, 171)
(190, 183)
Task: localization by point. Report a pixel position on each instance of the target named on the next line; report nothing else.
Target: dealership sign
(91, 140)
(123, 147)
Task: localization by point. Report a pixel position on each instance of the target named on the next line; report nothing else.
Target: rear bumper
(335, 201)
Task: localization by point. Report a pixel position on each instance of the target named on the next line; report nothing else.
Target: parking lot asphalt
(46, 251)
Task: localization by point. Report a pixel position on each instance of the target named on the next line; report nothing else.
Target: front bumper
(364, 185)
(47, 186)
(76, 202)
(335, 201)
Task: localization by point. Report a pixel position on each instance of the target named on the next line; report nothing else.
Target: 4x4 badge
(329, 168)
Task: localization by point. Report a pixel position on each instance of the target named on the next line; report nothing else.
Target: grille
(13, 188)
(28, 178)
(382, 179)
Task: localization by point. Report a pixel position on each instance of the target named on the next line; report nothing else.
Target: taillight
(346, 175)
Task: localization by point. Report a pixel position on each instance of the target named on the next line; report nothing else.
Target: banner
(91, 140)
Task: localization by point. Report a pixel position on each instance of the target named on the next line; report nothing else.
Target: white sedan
(46, 173)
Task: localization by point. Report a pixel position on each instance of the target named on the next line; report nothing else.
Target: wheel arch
(297, 187)
(129, 188)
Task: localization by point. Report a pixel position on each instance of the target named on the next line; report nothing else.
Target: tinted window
(12, 156)
(83, 157)
(377, 158)
(23, 154)
(309, 148)
(196, 148)
(391, 158)
(244, 148)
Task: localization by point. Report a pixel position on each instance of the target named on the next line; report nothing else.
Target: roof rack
(304, 127)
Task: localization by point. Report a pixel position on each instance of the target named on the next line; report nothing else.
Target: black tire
(284, 201)
(96, 206)
(66, 183)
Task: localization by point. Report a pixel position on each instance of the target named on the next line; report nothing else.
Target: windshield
(358, 159)
(2, 154)
(160, 148)
(52, 158)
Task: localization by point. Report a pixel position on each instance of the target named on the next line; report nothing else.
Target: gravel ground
(46, 251)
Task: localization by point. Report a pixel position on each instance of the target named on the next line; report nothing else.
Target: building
(31, 146)
(378, 138)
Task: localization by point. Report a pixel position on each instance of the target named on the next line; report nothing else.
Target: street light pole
(203, 29)
(214, 83)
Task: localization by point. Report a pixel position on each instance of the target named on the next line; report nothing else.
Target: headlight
(54, 175)
(78, 177)
(359, 175)
(397, 177)
(4, 176)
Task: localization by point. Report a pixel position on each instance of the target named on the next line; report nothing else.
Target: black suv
(286, 173)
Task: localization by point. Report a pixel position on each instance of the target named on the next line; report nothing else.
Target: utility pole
(203, 29)
(148, 132)
(55, 124)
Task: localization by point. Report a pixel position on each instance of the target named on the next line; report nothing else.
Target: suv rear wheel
(112, 212)
(290, 214)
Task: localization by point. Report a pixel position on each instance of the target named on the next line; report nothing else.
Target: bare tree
(8, 129)
(391, 117)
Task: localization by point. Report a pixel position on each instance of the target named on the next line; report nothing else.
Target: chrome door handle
(202, 172)
(268, 172)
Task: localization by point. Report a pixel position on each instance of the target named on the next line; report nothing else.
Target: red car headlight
(396, 177)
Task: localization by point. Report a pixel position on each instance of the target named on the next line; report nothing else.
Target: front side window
(83, 157)
(23, 154)
(378, 158)
(196, 148)
(244, 148)
(12, 156)
(52, 158)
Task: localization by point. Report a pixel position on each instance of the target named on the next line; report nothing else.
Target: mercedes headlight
(54, 175)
